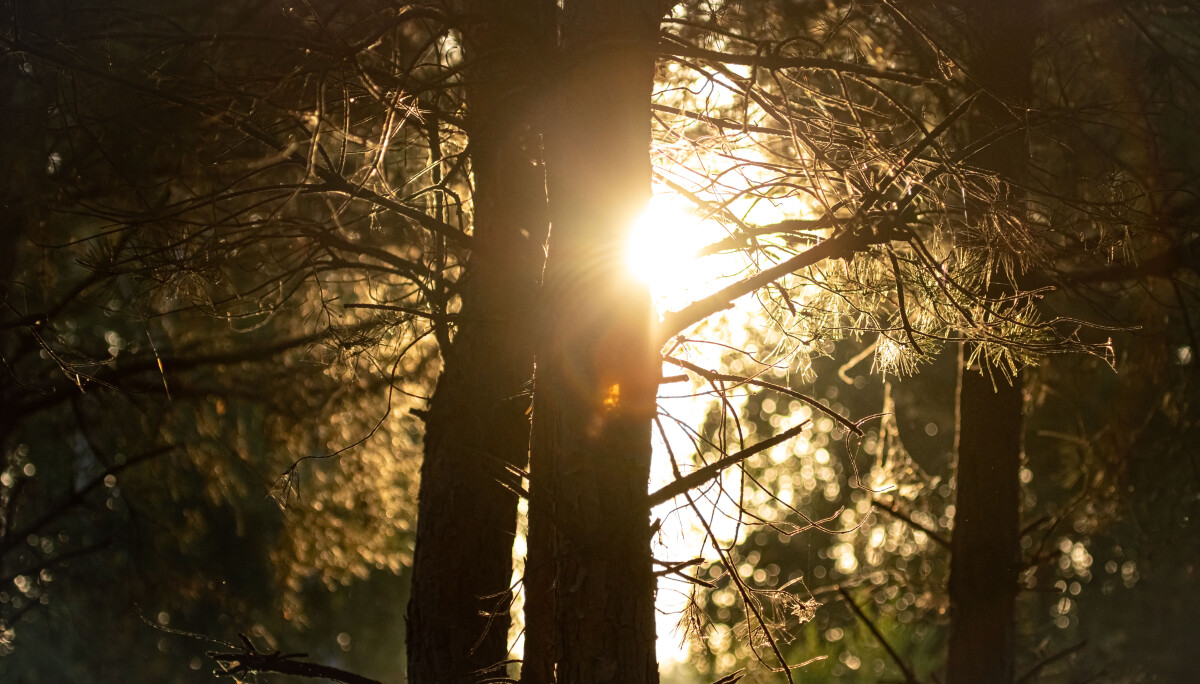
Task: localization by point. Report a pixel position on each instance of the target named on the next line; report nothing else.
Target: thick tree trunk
(589, 579)
(986, 552)
(477, 429)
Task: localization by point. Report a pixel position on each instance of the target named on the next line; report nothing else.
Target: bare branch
(675, 49)
(699, 477)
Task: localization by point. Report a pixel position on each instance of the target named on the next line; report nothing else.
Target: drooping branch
(411, 311)
(334, 181)
(908, 328)
(895, 512)
(1032, 673)
(53, 561)
(111, 374)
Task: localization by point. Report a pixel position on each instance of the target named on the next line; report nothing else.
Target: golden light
(663, 252)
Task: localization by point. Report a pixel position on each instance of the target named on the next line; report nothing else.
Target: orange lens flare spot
(612, 396)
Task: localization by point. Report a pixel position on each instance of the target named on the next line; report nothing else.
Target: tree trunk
(477, 430)
(589, 580)
(985, 547)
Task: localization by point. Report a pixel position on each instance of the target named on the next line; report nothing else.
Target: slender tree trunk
(985, 548)
(986, 552)
(589, 579)
(477, 430)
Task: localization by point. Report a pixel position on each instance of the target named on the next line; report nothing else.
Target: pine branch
(895, 512)
(1050, 660)
(841, 246)
(250, 660)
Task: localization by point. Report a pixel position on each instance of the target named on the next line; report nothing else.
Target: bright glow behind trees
(663, 252)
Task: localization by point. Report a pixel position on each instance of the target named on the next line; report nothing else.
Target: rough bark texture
(477, 428)
(589, 580)
(985, 548)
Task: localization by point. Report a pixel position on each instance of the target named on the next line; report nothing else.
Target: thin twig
(1049, 660)
(712, 376)
(441, 318)
(909, 677)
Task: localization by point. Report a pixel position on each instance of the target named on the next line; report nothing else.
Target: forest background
(244, 242)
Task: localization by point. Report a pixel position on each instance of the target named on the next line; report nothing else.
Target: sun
(663, 252)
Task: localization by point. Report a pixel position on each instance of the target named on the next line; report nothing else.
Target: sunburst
(664, 252)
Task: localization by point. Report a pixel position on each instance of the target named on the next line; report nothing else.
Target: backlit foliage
(796, 127)
(219, 208)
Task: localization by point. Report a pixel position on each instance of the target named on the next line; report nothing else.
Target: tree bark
(477, 429)
(985, 547)
(589, 580)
